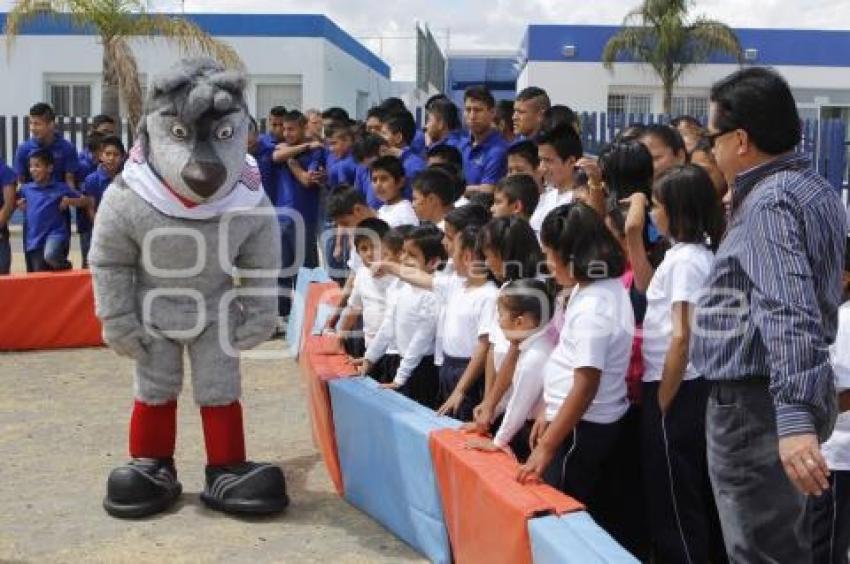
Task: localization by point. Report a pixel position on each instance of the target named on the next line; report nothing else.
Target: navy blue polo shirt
(294, 195)
(341, 170)
(269, 170)
(454, 139)
(44, 219)
(65, 158)
(413, 164)
(487, 162)
(93, 186)
(363, 183)
(418, 144)
(7, 176)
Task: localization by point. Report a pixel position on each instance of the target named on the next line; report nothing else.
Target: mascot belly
(184, 257)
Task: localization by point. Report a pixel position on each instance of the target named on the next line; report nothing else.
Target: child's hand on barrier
(481, 443)
(365, 367)
(537, 430)
(358, 361)
(535, 466)
(390, 386)
(452, 404)
(482, 415)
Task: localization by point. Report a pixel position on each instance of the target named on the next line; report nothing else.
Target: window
(696, 106)
(629, 103)
(362, 105)
(279, 91)
(70, 99)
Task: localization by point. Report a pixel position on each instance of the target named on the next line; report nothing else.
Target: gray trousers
(763, 516)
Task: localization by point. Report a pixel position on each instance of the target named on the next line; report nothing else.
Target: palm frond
(126, 71)
(710, 36)
(27, 11)
(190, 38)
(636, 42)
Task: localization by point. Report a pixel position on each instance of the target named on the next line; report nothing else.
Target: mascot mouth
(204, 178)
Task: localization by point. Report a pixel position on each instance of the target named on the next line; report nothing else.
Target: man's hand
(804, 463)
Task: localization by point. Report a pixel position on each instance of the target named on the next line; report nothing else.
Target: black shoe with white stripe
(248, 488)
(142, 487)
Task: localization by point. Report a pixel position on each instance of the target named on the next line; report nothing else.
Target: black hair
(338, 128)
(522, 188)
(527, 150)
(468, 240)
(433, 180)
(253, 126)
(99, 120)
(703, 145)
(759, 101)
(515, 241)
(686, 120)
(337, 114)
(524, 296)
(626, 168)
(393, 105)
(667, 135)
(370, 229)
(343, 200)
(393, 239)
(367, 147)
(389, 164)
(43, 110)
(94, 140)
(505, 112)
(483, 199)
(480, 93)
(692, 205)
(435, 98)
(402, 122)
(278, 111)
(377, 112)
(631, 132)
(455, 172)
(42, 155)
(470, 214)
(113, 141)
(295, 116)
(580, 237)
(560, 115)
(537, 95)
(446, 110)
(428, 239)
(563, 139)
(448, 153)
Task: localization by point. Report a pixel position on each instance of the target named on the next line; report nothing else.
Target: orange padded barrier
(48, 310)
(320, 361)
(486, 509)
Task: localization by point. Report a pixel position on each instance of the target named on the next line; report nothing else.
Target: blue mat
(574, 538)
(299, 297)
(382, 440)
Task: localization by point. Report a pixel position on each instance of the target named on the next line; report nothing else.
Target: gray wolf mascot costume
(184, 257)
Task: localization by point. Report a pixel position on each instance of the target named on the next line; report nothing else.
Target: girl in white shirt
(524, 311)
(388, 182)
(584, 380)
(683, 517)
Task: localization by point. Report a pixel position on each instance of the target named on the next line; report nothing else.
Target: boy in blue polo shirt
(44, 136)
(442, 126)
(366, 150)
(484, 149)
(342, 169)
(8, 187)
(111, 155)
(399, 130)
(44, 202)
(261, 147)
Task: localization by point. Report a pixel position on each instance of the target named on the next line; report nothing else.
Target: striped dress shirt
(770, 308)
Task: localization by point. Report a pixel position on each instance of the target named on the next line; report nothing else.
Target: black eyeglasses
(712, 137)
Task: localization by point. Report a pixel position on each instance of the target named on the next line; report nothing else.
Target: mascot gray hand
(126, 336)
(255, 331)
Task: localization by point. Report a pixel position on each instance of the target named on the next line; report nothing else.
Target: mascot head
(194, 127)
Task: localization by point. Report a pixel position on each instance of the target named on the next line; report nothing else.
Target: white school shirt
(549, 200)
(399, 213)
(598, 329)
(837, 449)
(526, 395)
(369, 293)
(410, 324)
(681, 277)
(468, 313)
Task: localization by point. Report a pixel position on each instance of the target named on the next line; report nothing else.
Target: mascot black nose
(204, 177)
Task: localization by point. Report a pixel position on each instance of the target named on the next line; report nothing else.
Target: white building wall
(585, 86)
(345, 78)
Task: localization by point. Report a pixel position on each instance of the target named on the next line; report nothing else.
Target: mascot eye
(179, 131)
(224, 132)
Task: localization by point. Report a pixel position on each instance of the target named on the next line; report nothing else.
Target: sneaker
(142, 487)
(246, 488)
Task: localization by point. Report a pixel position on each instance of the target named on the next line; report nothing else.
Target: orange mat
(486, 509)
(48, 310)
(321, 360)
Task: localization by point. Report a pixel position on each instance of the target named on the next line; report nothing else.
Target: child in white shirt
(410, 321)
(584, 380)
(683, 516)
(388, 182)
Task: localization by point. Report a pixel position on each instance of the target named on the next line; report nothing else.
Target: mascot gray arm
(113, 259)
(258, 294)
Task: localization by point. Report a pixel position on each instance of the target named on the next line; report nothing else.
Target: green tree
(660, 34)
(118, 22)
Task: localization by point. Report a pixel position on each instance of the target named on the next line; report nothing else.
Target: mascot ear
(142, 137)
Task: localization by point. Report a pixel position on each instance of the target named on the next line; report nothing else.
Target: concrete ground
(63, 427)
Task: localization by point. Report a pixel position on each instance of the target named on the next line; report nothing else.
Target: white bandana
(247, 194)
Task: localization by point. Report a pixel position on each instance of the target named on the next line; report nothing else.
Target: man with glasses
(763, 329)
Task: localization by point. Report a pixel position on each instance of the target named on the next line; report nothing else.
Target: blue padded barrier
(574, 538)
(382, 440)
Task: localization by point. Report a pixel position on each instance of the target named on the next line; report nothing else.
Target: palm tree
(117, 22)
(659, 34)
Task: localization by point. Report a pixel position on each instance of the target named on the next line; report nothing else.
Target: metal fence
(825, 142)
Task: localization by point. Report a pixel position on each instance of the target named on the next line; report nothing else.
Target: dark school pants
(450, 374)
(682, 514)
(422, 386)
